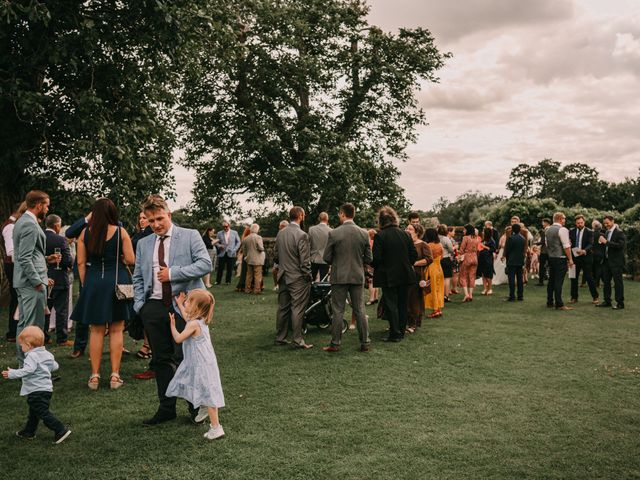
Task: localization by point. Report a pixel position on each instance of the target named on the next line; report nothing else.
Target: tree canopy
(305, 104)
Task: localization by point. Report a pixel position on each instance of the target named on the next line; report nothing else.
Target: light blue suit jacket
(234, 244)
(188, 262)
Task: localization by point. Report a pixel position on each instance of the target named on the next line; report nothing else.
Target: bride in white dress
(500, 277)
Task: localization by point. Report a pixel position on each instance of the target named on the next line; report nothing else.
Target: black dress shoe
(604, 304)
(509, 299)
(159, 417)
(391, 339)
(619, 306)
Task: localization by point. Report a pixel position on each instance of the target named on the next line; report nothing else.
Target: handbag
(124, 291)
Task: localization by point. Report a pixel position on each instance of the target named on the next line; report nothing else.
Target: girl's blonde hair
(200, 305)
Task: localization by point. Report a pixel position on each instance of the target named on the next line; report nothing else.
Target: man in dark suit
(598, 253)
(582, 247)
(614, 242)
(543, 259)
(292, 254)
(514, 251)
(347, 251)
(58, 299)
(82, 329)
(393, 257)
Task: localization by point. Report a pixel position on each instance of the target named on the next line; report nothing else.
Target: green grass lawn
(491, 390)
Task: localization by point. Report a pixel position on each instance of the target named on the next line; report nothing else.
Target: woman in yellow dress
(435, 300)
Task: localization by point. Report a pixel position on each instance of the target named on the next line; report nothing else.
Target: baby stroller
(319, 312)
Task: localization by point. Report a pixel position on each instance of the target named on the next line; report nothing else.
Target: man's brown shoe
(331, 348)
(365, 348)
(573, 300)
(77, 354)
(148, 375)
(564, 308)
(67, 343)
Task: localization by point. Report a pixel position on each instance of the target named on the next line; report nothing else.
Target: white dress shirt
(156, 293)
(7, 234)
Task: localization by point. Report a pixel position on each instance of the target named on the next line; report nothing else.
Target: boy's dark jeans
(514, 273)
(39, 410)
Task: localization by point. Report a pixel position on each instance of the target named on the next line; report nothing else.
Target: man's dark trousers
(13, 304)
(584, 264)
(514, 272)
(612, 273)
(167, 354)
(557, 270)
(322, 268)
(59, 300)
(228, 263)
(395, 309)
(542, 268)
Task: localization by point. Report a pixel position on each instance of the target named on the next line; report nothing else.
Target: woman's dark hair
(470, 230)
(442, 230)
(487, 234)
(431, 236)
(103, 214)
(206, 232)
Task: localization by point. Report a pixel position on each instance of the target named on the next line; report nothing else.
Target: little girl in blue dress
(197, 379)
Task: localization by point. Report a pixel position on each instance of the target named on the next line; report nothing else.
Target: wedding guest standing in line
(30, 265)
(292, 253)
(229, 243)
(514, 252)
(455, 279)
(58, 297)
(274, 270)
(560, 260)
(104, 251)
(253, 254)
(173, 260)
(543, 259)
(488, 249)
(469, 261)
(448, 253)
(393, 259)
(614, 242)
(373, 291)
(582, 247)
(416, 299)
(435, 298)
(318, 236)
(598, 253)
(241, 262)
(7, 239)
(348, 251)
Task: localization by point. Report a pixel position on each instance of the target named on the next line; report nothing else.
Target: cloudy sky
(528, 80)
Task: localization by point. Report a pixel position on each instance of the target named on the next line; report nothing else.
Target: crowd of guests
(416, 270)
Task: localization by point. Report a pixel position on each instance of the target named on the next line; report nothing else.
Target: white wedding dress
(500, 277)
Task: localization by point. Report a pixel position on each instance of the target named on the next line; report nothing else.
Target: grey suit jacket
(253, 249)
(292, 254)
(347, 251)
(318, 236)
(29, 244)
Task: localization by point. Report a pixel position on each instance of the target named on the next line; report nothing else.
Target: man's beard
(41, 215)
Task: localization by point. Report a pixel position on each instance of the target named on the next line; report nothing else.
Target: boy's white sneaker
(202, 415)
(214, 433)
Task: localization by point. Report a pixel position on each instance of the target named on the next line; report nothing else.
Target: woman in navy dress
(102, 246)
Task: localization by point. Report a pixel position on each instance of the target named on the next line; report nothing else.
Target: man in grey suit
(318, 236)
(30, 264)
(294, 279)
(347, 252)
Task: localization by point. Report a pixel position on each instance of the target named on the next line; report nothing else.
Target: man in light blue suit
(227, 250)
(173, 260)
(30, 264)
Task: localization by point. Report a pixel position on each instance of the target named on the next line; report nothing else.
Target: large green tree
(305, 103)
(86, 95)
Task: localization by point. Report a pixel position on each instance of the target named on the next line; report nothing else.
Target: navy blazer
(76, 228)
(60, 277)
(587, 240)
(614, 249)
(393, 257)
(514, 250)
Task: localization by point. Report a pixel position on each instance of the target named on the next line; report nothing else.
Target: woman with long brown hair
(104, 250)
(469, 264)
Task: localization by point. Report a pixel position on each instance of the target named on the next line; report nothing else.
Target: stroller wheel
(345, 326)
(322, 326)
